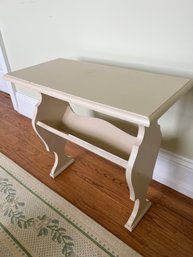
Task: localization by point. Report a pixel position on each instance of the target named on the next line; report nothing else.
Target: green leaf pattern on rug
(42, 225)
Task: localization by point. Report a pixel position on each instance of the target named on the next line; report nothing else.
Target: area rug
(37, 222)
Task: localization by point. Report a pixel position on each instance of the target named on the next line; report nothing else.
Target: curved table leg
(56, 145)
(139, 170)
(52, 142)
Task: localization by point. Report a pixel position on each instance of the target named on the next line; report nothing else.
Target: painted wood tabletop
(133, 95)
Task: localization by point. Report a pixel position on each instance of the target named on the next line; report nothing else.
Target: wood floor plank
(98, 188)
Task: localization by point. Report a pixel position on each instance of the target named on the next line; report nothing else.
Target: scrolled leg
(56, 145)
(139, 171)
(52, 142)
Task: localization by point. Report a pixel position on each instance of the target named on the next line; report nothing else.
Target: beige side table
(126, 95)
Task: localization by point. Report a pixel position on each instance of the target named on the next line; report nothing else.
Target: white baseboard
(171, 169)
(26, 104)
(174, 171)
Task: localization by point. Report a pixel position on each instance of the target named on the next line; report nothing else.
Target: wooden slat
(111, 157)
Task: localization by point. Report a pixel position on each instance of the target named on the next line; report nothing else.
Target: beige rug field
(37, 222)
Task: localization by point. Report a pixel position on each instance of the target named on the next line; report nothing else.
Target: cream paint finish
(84, 83)
(135, 95)
(150, 35)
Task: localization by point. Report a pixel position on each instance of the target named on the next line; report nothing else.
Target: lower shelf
(109, 156)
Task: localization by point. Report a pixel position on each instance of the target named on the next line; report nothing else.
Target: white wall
(148, 34)
(152, 34)
(38, 30)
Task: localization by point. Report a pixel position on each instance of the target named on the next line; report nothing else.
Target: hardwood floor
(98, 188)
